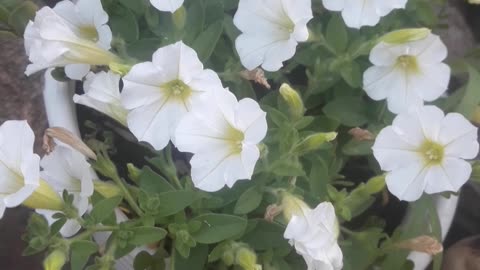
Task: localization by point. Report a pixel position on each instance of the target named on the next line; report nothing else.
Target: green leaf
(80, 252)
(124, 24)
(146, 235)
(206, 41)
(352, 74)
(153, 183)
(350, 111)
(136, 6)
(143, 49)
(196, 260)
(265, 235)
(142, 261)
(195, 21)
(218, 227)
(336, 35)
(287, 167)
(319, 178)
(103, 209)
(172, 202)
(363, 249)
(357, 148)
(471, 99)
(21, 15)
(249, 201)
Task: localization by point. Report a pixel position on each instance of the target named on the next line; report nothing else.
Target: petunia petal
(407, 183)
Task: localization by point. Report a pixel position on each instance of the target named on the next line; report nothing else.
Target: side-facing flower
(159, 93)
(102, 93)
(20, 171)
(407, 74)
(271, 31)
(67, 169)
(314, 233)
(358, 13)
(70, 35)
(167, 5)
(424, 151)
(223, 134)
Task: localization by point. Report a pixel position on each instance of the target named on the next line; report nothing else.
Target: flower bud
(292, 205)
(107, 189)
(228, 257)
(119, 68)
(405, 35)
(133, 172)
(315, 141)
(44, 197)
(247, 259)
(55, 260)
(294, 101)
(375, 184)
(179, 17)
(424, 243)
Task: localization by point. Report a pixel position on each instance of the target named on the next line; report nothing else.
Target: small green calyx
(408, 63)
(432, 153)
(177, 89)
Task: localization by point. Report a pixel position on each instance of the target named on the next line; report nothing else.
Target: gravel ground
(20, 98)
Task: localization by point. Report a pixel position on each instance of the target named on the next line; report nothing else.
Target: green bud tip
(55, 260)
(293, 100)
(405, 35)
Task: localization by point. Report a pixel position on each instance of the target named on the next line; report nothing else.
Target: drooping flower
(424, 151)
(223, 135)
(102, 93)
(159, 93)
(314, 233)
(358, 13)
(271, 31)
(67, 169)
(167, 5)
(20, 171)
(70, 35)
(407, 74)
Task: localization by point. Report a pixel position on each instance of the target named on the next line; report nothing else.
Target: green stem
(346, 231)
(128, 195)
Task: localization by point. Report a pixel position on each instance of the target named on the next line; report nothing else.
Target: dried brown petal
(272, 211)
(257, 75)
(361, 134)
(68, 138)
(424, 243)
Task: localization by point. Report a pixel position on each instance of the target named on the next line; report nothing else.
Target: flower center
(89, 32)
(235, 137)
(408, 63)
(177, 89)
(432, 152)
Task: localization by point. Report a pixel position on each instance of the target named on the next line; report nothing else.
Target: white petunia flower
(271, 31)
(167, 5)
(20, 172)
(70, 35)
(358, 13)
(159, 93)
(102, 93)
(223, 135)
(424, 151)
(67, 169)
(407, 74)
(314, 235)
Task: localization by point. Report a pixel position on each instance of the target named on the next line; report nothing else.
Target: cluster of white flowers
(175, 99)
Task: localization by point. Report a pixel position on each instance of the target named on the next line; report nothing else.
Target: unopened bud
(293, 100)
(55, 260)
(228, 257)
(68, 138)
(315, 141)
(247, 259)
(405, 35)
(44, 197)
(107, 189)
(375, 184)
(119, 68)
(133, 172)
(424, 244)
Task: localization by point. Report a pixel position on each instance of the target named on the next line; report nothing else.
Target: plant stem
(128, 195)
(346, 231)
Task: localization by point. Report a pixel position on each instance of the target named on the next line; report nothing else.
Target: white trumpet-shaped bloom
(19, 166)
(271, 31)
(102, 93)
(167, 5)
(159, 93)
(424, 151)
(70, 35)
(223, 134)
(407, 74)
(67, 169)
(314, 233)
(358, 13)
